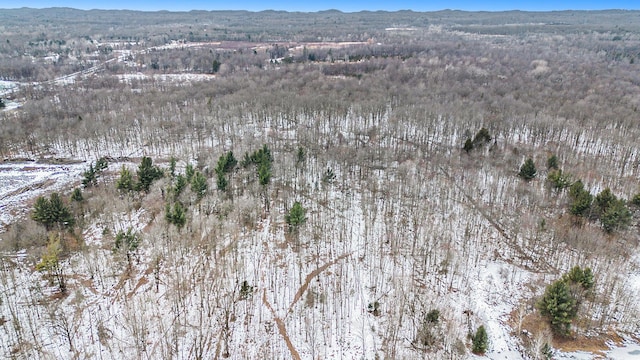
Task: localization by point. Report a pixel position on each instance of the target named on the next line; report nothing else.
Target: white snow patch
(21, 182)
(630, 351)
(497, 285)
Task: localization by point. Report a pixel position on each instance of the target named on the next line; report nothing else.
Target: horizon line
(319, 11)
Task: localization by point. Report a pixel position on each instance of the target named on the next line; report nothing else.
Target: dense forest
(388, 185)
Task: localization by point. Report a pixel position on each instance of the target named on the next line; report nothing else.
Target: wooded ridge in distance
(397, 185)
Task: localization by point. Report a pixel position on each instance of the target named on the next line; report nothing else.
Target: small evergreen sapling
(468, 145)
(92, 174)
(176, 215)
(125, 181)
(179, 185)
(559, 180)
(552, 162)
(51, 264)
(296, 216)
(480, 341)
(199, 185)
(76, 195)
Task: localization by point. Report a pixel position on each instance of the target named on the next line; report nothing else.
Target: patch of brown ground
(534, 324)
(594, 345)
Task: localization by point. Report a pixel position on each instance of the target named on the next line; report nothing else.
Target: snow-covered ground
(630, 352)
(7, 87)
(22, 182)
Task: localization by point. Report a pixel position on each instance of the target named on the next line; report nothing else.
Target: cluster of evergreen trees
(561, 299)
(147, 173)
(226, 164)
(481, 138)
(175, 209)
(263, 160)
(91, 175)
(52, 211)
(612, 212)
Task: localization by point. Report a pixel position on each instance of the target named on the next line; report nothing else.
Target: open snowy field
(22, 182)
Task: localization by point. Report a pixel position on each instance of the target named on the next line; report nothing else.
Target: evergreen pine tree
(329, 176)
(602, 202)
(128, 242)
(125, 181)
(300, 156)
(264, 173)
(90, 177)
(246, 160)
(616, 216)
(552, 162)
(172, 166)
(176, 215)
(179, 185)
(528, 170)
(221, 182)
(101, 165)
(482, 137)
(468, 145)
(52, 211)
(230, 162)
(168, 213)
(433, 316)
(60, 212)
(77, 195)
(576, 189)
(579, 276)
(41, 212)
(296, 216)
(147, 174)
(559, 307)
(580, 199)
(558, 179)
(546, 351)
(199, 185)
(480, 341)
(188, 172)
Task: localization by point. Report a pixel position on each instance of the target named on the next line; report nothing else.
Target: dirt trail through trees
(281, 327)
(310, 277)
